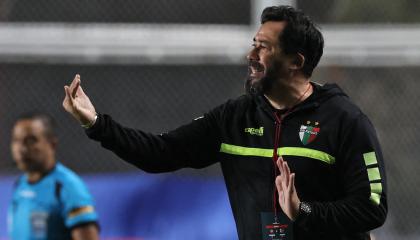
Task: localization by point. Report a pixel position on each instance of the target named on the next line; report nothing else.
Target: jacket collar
(320, 94)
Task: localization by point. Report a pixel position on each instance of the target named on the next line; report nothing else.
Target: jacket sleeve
(361, 175)
(194, 145)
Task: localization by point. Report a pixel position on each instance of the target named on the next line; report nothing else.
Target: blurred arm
(85, 232)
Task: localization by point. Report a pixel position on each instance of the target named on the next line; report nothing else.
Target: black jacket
(327, 141)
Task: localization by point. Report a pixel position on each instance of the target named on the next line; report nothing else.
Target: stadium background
(158, 64)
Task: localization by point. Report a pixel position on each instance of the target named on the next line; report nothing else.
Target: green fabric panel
(376, 188)
(370, 158)
(375, 198)
(284, 151)
(373, 174)
(307, 152)
(245, 151)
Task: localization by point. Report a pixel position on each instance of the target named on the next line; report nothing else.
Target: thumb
(291, 187)
(66, 97)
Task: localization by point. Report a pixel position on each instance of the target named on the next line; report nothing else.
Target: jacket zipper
(277, 123)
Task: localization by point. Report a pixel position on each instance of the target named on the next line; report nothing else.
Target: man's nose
(252, 55)
(23, 149)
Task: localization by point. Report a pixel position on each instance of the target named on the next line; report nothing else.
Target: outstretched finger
(280, 164)
(285, 177)
(73, 83)
(68, 94)
(280, 190)
(291, 187)
(66, 97)
(287, 172)
(76, 87)
(278, 183)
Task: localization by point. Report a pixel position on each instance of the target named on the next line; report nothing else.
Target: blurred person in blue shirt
(49, 201)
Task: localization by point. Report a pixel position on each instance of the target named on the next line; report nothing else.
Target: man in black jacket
(300, 160)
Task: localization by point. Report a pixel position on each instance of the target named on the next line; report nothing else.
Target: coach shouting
(300, 160)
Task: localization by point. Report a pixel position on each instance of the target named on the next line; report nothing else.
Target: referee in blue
(49, 200)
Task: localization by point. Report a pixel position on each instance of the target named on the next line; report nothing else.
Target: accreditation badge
(276, 227)
(39, 224)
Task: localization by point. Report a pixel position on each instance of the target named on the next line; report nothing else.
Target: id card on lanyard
(277, 227)
(39, 224)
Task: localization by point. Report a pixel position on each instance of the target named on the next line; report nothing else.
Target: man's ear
(54, 142)
(298, 62)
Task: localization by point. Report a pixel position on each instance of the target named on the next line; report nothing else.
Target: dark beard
(276, 71)
(262, 85)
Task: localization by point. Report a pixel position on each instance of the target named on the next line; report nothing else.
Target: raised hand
(77, 103)
(285, 183)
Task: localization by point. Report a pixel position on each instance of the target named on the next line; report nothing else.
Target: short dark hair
(48, 122)
(299, 36)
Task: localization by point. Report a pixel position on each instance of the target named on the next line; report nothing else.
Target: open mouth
(255, 68)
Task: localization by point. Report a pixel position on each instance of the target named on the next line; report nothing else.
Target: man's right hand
(78, 104)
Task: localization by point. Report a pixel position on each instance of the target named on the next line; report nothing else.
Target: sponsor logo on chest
(255, 131)
(27, 194)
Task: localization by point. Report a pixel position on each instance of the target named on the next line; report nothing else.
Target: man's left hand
(285, 183)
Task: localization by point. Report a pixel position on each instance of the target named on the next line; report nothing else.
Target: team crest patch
(308, 133)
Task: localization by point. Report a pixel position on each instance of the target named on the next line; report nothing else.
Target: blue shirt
(51, 207)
